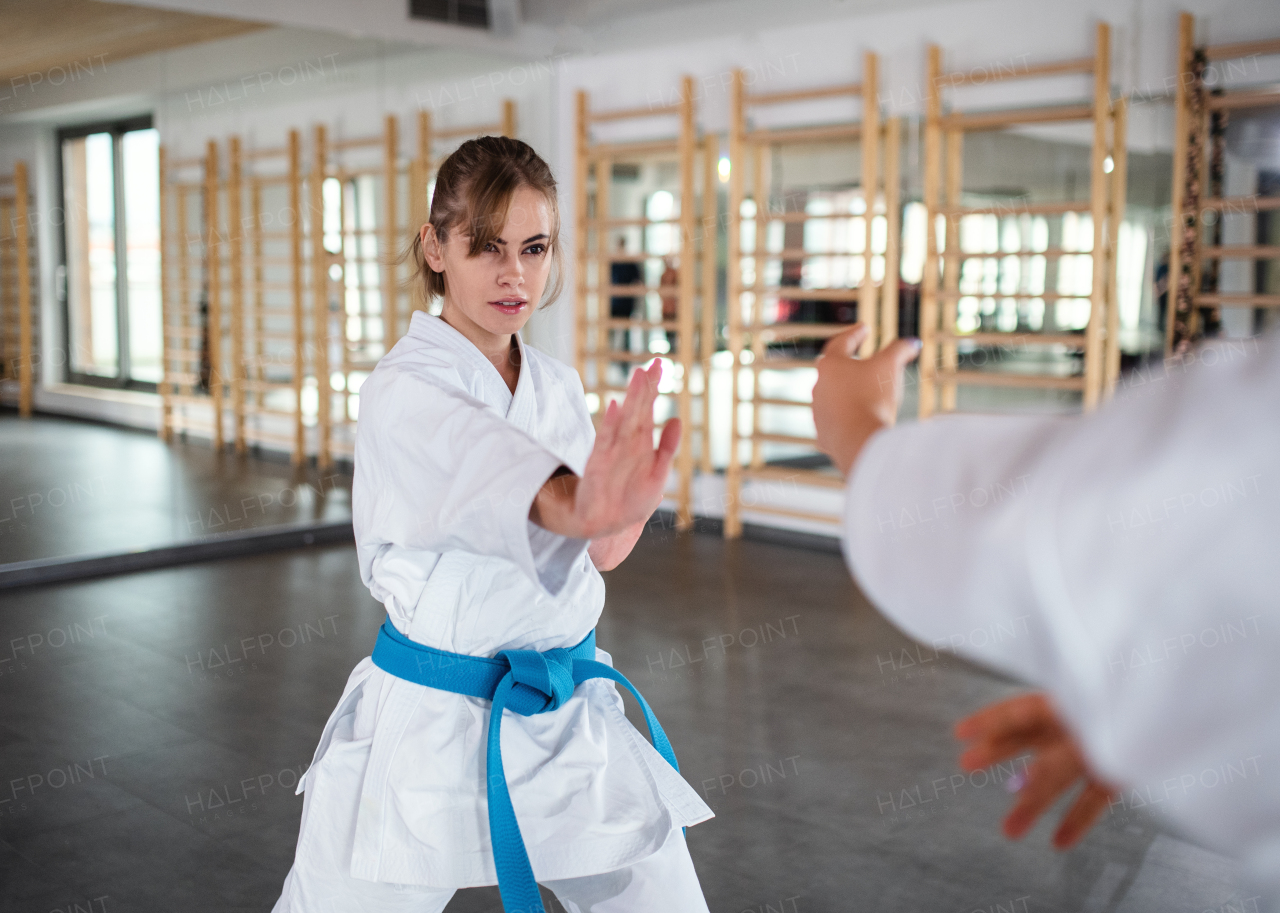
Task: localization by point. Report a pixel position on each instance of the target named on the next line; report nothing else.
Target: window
(110, 280)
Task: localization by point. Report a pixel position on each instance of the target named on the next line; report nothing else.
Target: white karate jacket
(1128, 561)
(447, 465)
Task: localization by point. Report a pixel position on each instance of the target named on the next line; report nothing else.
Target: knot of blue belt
(522, 681)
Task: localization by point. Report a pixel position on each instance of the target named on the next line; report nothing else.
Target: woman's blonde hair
(474, 189)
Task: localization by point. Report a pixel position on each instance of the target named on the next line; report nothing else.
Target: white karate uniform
(447, 465)
(1126, 561)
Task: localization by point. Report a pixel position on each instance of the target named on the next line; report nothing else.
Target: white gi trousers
(319, 881)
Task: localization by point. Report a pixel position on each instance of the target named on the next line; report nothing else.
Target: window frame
(117, 128)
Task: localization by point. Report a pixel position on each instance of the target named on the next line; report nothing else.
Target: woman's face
(496, 291)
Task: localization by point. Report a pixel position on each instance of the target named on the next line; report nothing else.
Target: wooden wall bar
(18, 353)
(940, 369)
(875, 144)
(597, 350)
(1194, 298)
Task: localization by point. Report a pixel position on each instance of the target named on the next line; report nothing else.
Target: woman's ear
(432, 249)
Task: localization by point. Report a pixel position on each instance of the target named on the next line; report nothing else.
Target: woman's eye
(491, 247)
(535, 249)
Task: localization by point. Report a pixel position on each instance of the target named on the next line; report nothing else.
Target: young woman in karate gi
(485, 506)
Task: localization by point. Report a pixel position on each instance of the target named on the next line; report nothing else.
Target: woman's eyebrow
(525, 241)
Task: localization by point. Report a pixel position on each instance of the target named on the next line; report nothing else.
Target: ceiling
(56, 40)
(543, 26)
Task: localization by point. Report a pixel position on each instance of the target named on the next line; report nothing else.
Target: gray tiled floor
(811, 738)
(70, 487)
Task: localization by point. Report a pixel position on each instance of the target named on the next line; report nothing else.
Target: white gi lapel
(523, 409)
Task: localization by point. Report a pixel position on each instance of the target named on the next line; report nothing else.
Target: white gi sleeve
(438, 470)
(1124, 560)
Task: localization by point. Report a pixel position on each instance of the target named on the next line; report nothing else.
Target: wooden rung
(802, 476)
(804, 134)
(796, 217)
(251, 409)
(268, 181)
(1232, 101)
(791, 512)
(1243, 49)
(1021, 296)
(1241, 252)
(200, 398)
(996, 120)
(1049, 253)
(1018, 209)
(771, 401)
(1071, 340)
(621, 323)
(781, 364)
(631, 113)
(638, 289)
(799, 253)
(622, 151)
(1239, 300)
(266, 385)
(1244, 205)
(624, 223)
(795, 293)
(777, 98)
(185, 163)
(998, 73)
(1006, 379)
(797, 330)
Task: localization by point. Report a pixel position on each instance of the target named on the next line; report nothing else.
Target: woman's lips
(509, 307)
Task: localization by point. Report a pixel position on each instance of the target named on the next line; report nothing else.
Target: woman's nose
(510, 269)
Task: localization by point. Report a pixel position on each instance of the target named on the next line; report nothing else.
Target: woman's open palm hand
(625, 475)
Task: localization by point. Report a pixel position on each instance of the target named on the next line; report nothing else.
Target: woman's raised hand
(625, 475)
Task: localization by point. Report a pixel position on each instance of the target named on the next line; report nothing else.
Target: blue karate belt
(522, 681)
